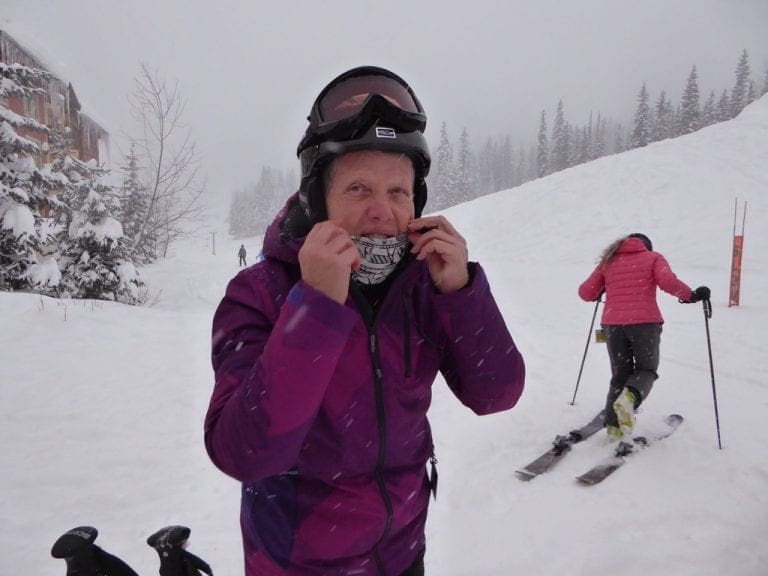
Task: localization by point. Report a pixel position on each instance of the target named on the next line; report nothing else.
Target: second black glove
(701, 293)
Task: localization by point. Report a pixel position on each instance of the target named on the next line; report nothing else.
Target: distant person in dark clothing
(241, 253)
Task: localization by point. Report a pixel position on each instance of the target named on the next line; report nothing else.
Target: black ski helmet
(365, 108)
(644, 238)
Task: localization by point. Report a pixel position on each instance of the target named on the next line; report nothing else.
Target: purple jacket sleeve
(265, 399)
(483, 367)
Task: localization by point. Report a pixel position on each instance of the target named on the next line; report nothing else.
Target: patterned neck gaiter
(379, 257)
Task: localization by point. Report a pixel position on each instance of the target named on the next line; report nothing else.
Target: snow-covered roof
(47, 61)
(31, 48)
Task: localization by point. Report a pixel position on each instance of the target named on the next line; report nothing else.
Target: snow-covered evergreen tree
(581, 146)
(559, 144)
(267, 193)
(723, 109)
(690, 108)
(486, 166)
(542, 150)
(521, 167)
(466, 173)
(619, 140)
(764, 88)
(134, 210)
(641, 131)
(663, 119)
(751, 92)
(284, 186)
(444, 183)
(242, 216)
(23, 187)
(600, 147)
(94, 255)
(506, 164)
(254, 207)
(589, 142)
(532, 166)
(709, 111)
(741, 85)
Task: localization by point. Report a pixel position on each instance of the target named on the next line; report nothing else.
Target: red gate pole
(738, 248)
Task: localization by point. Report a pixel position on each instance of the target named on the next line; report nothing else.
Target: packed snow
(102, 404)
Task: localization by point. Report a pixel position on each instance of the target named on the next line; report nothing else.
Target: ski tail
(603, 469)
(560, 447)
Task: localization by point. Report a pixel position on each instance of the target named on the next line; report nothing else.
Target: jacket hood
(632, 245)
(280, 240)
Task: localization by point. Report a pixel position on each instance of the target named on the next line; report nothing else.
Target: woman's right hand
(327, 259)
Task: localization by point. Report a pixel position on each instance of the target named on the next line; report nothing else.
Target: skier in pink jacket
(629, 271)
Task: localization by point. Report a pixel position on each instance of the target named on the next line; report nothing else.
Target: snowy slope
(101, 405)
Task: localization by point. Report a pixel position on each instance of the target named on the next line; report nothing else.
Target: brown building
(58, 108)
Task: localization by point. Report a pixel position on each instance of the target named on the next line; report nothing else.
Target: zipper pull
(433, 476)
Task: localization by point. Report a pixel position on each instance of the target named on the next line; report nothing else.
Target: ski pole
(586, 347)
(707, 315)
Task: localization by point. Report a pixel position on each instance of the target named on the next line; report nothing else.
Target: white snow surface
(102, 404)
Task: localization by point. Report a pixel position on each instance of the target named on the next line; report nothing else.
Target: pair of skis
(563, 444)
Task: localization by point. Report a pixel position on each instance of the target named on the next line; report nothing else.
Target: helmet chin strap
(380, 256)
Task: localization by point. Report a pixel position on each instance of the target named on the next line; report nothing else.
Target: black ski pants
(633, 350)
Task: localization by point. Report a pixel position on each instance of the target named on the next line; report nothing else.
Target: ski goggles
(350, 103)
(362, 97)
(349, 94)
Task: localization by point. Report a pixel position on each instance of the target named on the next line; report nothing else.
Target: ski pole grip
(707, 305)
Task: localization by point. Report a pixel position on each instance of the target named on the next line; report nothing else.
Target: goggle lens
(348, 97)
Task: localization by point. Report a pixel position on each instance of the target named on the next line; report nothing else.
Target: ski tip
(601, 471)
(525, 475)
(585, 481)
(592, 478)
(74, 540)
(170, 536)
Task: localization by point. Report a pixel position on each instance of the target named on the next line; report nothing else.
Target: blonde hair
(610, 252)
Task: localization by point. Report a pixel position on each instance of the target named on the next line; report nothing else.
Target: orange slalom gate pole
(736, 254)
(733, 297)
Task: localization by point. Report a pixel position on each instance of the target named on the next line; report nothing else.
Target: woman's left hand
(435, 240)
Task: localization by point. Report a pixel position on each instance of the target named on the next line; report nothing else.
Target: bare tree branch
(175, 190)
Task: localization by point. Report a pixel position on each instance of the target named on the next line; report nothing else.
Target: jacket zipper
(369, 318)
(382, 425)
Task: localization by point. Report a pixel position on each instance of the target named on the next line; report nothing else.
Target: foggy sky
(250, 70)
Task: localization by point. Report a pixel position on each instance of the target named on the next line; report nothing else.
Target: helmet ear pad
(419, 195)
(315, 197)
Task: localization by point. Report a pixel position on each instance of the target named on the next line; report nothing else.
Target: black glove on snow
(701, 293)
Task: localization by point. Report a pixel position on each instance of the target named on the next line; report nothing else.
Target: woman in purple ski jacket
(320, 402)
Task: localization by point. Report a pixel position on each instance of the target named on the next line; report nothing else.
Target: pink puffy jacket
(630, 282)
